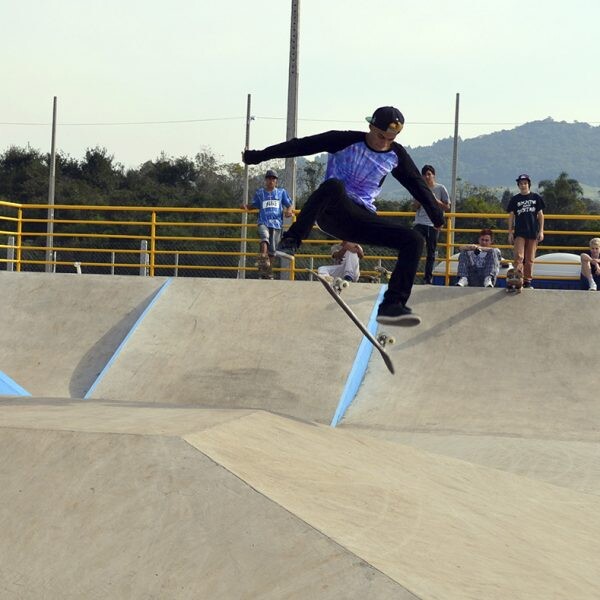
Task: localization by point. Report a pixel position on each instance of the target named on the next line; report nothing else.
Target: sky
(141, 78)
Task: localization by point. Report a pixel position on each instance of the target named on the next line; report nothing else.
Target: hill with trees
(544, 149)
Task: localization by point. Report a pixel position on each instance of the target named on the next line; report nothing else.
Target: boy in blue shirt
(273, 204)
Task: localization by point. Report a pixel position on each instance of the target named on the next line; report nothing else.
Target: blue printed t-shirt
(270, 206)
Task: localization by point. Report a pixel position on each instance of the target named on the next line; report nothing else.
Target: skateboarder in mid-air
(343, 205)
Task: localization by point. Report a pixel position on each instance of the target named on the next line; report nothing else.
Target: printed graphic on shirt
(270, 206)
(362, 170)
(526, 206)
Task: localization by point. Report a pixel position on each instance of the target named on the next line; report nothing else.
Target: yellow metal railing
(86, 234)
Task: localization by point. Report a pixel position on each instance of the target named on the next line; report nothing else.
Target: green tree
(564, 196)
(24, 175)
(311, 177)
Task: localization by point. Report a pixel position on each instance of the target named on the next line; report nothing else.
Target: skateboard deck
(375, 341)
(265, 270)
(514, 281)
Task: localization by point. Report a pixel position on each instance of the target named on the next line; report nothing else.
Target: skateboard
(379, 342)
(265, 270)
(514, 281)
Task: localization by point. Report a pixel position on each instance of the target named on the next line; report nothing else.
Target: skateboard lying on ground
(514, 281)
(265, 271)
(379, 342)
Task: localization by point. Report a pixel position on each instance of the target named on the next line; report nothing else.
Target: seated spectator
(479, 264)
(590, 266)
(346, 257)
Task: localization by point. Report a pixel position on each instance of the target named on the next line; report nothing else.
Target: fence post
(112, 263)
(144, 258)
(19, 238)
(10, 254)
(153, 244)
(176, 264)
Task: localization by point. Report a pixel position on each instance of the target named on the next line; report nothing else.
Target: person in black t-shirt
(525, 227)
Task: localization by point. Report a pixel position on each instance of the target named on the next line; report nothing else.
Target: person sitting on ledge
(479, 264)
(590, 266)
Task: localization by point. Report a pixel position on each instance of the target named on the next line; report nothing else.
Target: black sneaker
(397, 314)
(287, 247)
(527, 285)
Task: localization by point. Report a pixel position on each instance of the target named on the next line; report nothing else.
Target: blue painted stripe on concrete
(9, 387)
(359, 368)
(108, 365)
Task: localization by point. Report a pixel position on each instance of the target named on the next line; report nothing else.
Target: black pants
(431, 237)
(339, 216)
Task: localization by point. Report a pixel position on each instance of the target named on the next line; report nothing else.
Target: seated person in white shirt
(590, 266)
(479, 264)
(346, 265)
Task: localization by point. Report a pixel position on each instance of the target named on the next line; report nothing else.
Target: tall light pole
(50, 223)
(292, 117)
(454, 167)
(243, 247)
(292, 102)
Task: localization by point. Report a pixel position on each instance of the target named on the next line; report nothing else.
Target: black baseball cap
(271, 173)
(523, 177)
(388, 119)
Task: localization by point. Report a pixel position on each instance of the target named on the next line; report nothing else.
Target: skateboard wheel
(384, 339)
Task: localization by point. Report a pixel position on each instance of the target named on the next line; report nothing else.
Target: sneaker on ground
(593, 287)
(397, 314)
(527, 285)
(349, 278)
(462, 282)
(487, 282)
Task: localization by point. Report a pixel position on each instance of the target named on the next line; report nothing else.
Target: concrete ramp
(275, 345)
(103, 499)
(109, 501)
(502, 380)
(440, 527)
(169, 482)
(485, 361)
(57, 332)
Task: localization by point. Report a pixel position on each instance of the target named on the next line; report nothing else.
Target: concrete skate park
(174, 438)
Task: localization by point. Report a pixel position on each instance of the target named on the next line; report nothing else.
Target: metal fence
(210, 242)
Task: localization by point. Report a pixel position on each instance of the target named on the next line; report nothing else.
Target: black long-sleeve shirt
(361, 169)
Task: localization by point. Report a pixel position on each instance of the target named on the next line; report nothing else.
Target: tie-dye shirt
(361, 169)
